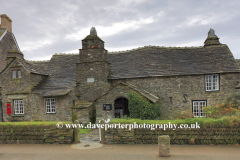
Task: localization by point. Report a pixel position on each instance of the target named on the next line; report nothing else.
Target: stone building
(95, 80)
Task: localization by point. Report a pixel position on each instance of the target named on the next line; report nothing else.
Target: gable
(151, 97)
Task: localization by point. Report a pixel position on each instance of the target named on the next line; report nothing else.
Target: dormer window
(16, 74)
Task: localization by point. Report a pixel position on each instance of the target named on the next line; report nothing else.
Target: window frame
(18, 106)
(217, 84)
(52, 108)
(17, 75)
(200, 114)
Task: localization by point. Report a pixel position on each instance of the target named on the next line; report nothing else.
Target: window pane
(18, 107)
(89, 80)
(198, 108)
(14, 74)
(50, 105)
(19, 74)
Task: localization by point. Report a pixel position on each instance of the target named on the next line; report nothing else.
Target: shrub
(142, 109)
(220, 110)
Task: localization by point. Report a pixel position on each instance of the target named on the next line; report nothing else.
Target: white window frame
(50, 105)
(90, 80)
(212, 82)
(197, 107)
(18, 106)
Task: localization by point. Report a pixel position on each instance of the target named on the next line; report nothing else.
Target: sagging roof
(152, 61)
(61, 71)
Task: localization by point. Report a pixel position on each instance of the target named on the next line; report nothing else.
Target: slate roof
(152, 61)
(34, 67)
(61, 71)
(238, 62)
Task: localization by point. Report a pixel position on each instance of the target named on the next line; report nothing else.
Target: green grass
(232, 121)
(31, 123)
(83, 131)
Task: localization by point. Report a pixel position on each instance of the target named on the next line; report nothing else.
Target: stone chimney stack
(6, 22)
(212, 39)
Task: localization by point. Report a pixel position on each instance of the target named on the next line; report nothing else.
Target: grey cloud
(41, 21)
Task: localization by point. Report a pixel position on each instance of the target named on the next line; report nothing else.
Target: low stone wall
(37, 134)
(211, 135)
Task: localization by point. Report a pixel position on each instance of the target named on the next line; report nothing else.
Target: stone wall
(36, 134)
(90, 91)
(62, 104)
(35, 108)
(183, 90)
(210, 135)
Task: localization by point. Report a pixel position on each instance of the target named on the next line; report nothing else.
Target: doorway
(121, 107)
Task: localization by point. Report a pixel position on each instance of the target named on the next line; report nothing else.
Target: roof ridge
(153, 46)
(30, 61)
(59, 54)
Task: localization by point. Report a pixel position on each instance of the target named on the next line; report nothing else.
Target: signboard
(107, 107)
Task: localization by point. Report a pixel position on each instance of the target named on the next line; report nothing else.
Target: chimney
(6, 22)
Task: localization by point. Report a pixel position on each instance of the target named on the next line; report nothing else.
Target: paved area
(89, 140)
(116, 152)
(92, 136)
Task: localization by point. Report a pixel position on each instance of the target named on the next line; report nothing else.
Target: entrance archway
(121, 107)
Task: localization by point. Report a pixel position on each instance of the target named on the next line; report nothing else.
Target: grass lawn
(83, 131)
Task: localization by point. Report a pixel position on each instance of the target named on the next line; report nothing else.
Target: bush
(219, 110)
(142, 109)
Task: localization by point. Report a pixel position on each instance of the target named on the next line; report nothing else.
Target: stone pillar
(76, 133)
(102, 130)
(164, 146)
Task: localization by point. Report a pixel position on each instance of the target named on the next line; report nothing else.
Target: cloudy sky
(43, 28)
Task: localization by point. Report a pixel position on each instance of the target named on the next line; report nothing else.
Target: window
(89, 80)
(19, 73)
(16, 74)
(50, 105)
(18, 107)
(212, 82)
(197, 108)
